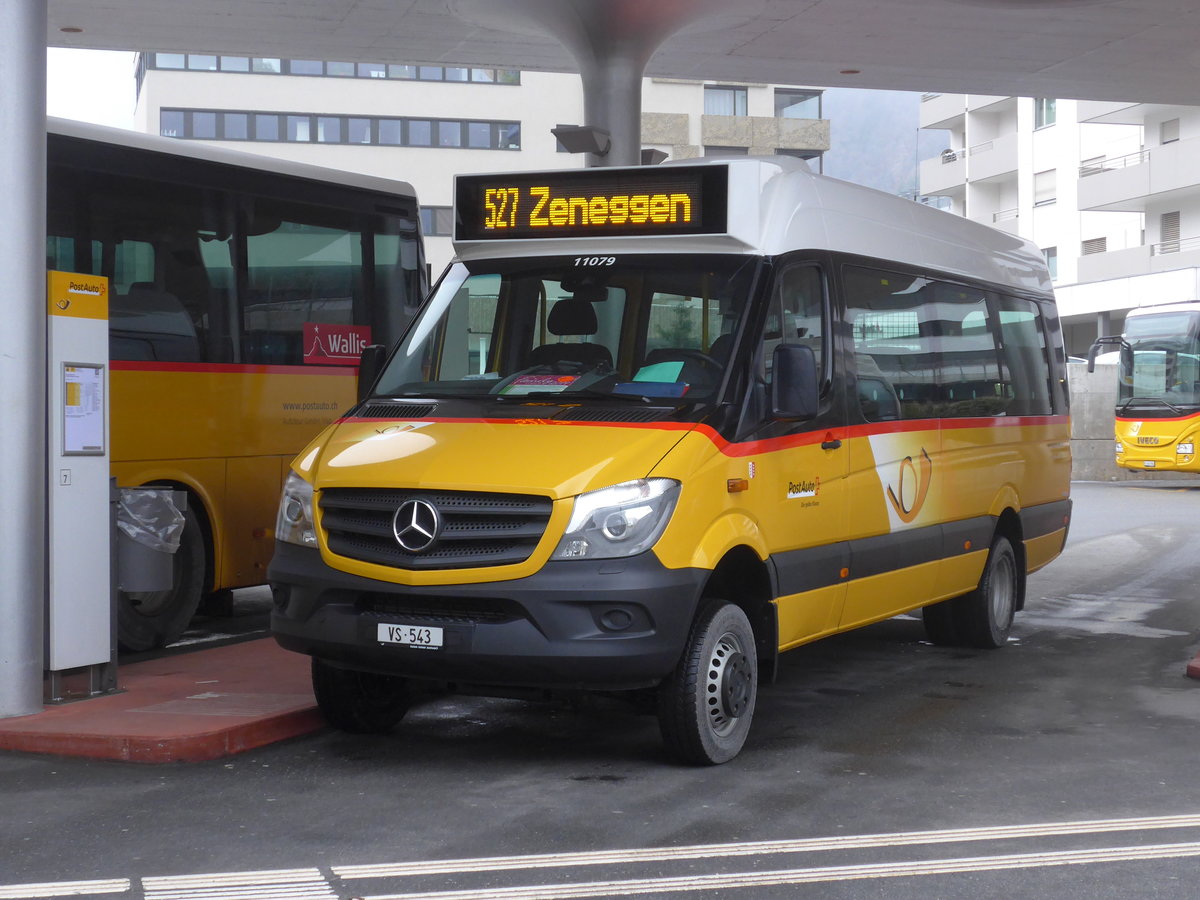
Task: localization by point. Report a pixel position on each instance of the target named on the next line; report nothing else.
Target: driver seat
(574, 318)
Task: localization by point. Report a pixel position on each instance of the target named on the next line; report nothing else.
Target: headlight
(622, 520)
(294, 524)
(1186, 449)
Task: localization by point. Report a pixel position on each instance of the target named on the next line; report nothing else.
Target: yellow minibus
(657, 425)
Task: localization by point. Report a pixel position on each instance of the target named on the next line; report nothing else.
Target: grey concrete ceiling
(1139, 50)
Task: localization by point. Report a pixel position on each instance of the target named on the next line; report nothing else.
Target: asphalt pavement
(1060, 765)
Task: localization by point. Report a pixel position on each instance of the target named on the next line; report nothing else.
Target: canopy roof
(1136, 50)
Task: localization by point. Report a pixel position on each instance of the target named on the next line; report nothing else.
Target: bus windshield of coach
(1165, 361)
(576, 327)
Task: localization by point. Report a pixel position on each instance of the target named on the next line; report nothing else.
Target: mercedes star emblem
(416, 525)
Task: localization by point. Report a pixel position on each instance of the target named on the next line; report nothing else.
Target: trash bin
(149, 525)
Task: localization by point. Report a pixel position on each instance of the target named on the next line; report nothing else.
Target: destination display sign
(674, 200)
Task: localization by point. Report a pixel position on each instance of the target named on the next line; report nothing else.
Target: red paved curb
(1193, 669)
(185, 708)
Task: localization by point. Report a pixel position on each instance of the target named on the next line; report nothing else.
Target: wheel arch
(1008, 525)
(742, 578)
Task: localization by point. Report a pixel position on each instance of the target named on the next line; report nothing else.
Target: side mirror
(1111, 340)
(370, 364)
(795, 390)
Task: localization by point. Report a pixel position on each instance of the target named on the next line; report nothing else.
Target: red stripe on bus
(767, 445)
(1186, 418)
(126, 365)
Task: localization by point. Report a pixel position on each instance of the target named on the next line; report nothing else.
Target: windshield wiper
(587, 394)
(1128, 403)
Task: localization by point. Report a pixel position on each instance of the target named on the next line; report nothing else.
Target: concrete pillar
(1104, 325)
(22, 354)
(611, 41)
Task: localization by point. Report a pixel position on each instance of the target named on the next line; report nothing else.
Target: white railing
(1111, 165)
(1182, 246)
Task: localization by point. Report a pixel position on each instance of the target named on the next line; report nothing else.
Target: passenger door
(797, 469)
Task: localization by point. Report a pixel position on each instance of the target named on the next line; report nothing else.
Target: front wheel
(359, 702)
(983, 618)
(706, 704)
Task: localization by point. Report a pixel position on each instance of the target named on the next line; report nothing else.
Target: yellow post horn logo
(908, 512)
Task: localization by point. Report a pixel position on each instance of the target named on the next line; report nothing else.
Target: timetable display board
(675, 200)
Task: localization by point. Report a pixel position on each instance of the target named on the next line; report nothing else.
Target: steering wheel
(683, 354)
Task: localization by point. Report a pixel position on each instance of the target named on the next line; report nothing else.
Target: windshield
(1165, 374)
(620, 326)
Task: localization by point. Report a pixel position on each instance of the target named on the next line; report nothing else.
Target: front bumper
(574, 625)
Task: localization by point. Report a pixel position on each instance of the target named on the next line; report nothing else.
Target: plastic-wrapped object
(150, 517)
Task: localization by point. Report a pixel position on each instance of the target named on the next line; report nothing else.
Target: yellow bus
(658, 425)
(1158, 388)
(243, 290)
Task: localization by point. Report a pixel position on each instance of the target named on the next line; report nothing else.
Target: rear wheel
(359, 702)
(150, 619)
(706, 704)
(983, 618)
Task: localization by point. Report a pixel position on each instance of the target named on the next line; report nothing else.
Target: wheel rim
(1002, 587)
(729, 685)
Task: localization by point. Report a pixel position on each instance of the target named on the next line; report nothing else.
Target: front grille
(478, 529)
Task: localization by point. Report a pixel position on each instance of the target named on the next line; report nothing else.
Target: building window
(794, 103)
(303, 128)
(1044, 112)
(437, 221)
(305, 67)
(1095, 245)
(726, 151)
(210, 62)
(1045, 187)
(723, 100)
(1051, 255)
(1168, 131)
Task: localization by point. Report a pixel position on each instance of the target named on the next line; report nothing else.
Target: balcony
(942, 110)
(1114, 264)
(944, 174)
(1170, 255)
(1006, 220)
(1129, 183)
(994, 160)
(988, 102)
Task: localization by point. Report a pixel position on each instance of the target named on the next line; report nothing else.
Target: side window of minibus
(796, 316)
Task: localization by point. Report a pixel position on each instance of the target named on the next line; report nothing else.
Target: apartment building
(1109, 191)
(424, 124)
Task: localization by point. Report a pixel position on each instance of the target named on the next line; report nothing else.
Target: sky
(91, 86)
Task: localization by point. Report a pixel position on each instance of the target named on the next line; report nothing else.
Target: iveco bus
(1158, 388)
(242, 289)
(658, 425)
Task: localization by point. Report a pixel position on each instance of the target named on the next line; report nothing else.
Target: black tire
(983, 618)
(359, 702)
(147, 620)
(705, 706)
(939, 621)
